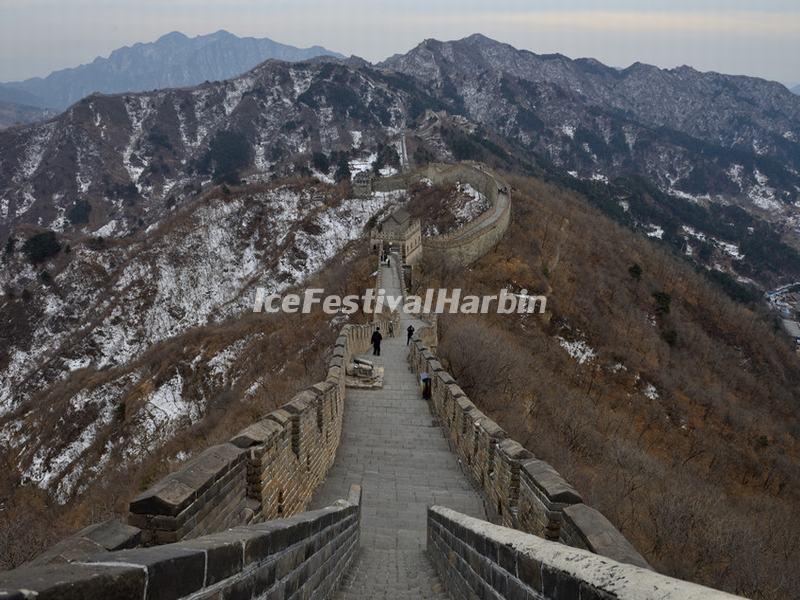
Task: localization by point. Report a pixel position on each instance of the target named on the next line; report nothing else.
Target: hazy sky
(754, 37)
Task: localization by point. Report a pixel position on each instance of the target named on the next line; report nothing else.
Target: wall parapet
(269, 470)
(477, 559)
(305, 555)
(519, 490)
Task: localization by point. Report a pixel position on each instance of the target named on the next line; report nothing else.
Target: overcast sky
(753, 37)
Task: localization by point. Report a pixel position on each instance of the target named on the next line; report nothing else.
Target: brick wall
(304, 556)
(476, 559)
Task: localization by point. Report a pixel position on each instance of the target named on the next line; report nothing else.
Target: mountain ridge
(720, 184)
(173, 60)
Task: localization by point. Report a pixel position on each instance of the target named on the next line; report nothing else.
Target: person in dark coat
(410, 331)
(376, 342)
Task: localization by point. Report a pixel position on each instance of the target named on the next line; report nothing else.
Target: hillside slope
(672, 409)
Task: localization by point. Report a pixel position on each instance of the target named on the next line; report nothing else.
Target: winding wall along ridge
(474, 239)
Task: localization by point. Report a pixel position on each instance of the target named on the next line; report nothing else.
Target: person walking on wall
(410, 331)
(376, 342)
(391, 329)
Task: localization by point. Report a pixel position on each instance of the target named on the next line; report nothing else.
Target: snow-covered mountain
(135, 226)
(174, 60)
(697, 135)
(110, 348)
(120, 163)
(664, 150)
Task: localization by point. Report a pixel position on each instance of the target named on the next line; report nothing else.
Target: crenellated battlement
(520, 491)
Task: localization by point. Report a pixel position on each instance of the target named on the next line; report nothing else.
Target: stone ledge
(547, 570)
(600, 536)
(548, 480)
(177, 490)
(258, 434)
(244, 559)
(107, 536)
(74, 582)
(513, 450)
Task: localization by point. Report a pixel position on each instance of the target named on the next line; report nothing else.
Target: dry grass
(704, 478)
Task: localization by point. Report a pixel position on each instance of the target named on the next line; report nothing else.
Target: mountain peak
(222, 34)
(479, 38)
(172, 36)
(173, 60)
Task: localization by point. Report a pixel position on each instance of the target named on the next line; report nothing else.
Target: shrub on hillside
(228, 153)
(79, 213)
(41, 246)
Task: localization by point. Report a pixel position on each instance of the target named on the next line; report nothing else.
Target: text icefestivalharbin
(433, 302)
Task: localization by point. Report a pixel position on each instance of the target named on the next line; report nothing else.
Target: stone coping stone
(548, 567)
(549, 481)
(464, 403)
(300, 403)
(514, 450)
(456, 392)
(266, 539)
(74, 582)
(176, 491)
(259, 433)
(445, 377)
(172, 571)
(224, 553)
(322, 387)
(106, 536)
(492, 429)
(281, 417)
(600, 535)
(354, 497)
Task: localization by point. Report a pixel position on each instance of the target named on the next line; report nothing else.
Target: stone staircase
(392, 447)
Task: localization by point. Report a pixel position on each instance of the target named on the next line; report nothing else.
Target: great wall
(412, 495)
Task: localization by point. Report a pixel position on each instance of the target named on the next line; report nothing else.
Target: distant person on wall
(391, 329)
(376, 342)
(410, 331)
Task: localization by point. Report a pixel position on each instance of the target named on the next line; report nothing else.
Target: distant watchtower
(399, 233)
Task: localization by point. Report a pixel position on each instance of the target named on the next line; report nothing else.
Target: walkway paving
(391, 446)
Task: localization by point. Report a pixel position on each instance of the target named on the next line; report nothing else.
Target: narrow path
(391, 447)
